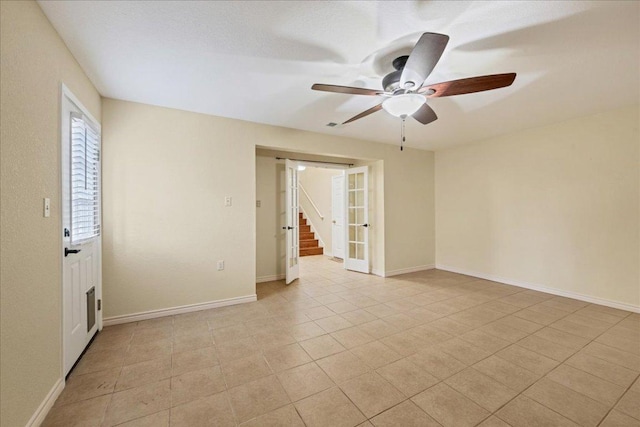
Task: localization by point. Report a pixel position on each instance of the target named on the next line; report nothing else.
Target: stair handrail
(310, 200)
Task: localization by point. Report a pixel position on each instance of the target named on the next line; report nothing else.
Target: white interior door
(357, 233)
(81, 242)
(337, 216)
(293, 220)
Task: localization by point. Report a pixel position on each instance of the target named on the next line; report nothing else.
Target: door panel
(75, 323)
(292, 270)
(337, 214)
(80, 270)
(357, 256)
(79, 276)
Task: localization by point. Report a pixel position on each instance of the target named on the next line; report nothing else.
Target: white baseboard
(38, 417)
(271, 278)
(377, 272)
(409, 270)
(152, 314)
(541, 288)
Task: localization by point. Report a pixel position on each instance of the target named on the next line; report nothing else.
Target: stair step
(303, 221)
(307, 236)
(310, 243)
(304, 229)
(311, 251)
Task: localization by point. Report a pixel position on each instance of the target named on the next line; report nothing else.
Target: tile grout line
(544, 376)
(619, 399)
(561, 363)
(513, 343)
(297, 300)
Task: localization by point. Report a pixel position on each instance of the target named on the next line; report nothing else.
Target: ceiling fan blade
(346, 89)
(469, 85)
(425, 115)
(364, 113)
(423, 59)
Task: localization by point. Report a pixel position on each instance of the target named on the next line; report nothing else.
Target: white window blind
(85, 180)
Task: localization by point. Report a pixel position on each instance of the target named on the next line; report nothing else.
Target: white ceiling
(257, 60)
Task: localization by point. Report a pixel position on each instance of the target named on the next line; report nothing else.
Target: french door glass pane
(356, 216)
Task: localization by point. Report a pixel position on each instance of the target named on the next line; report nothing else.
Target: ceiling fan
(403, 88)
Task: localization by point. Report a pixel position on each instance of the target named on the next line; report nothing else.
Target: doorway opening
(321, 211)
(316, 216)
(81, 254)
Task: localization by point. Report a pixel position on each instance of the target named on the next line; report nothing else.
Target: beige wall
(34, 63)
(318, 184)
(165, 175)
(556, 206)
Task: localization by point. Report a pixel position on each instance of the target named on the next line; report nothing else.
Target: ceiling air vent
(332, 124)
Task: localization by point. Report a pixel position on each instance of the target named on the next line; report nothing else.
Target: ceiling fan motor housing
(391, 82)
(400, 62)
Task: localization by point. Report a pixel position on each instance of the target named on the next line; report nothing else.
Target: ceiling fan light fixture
(404, 105)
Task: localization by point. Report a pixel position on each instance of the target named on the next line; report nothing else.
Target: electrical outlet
(220, 265)
(227, 200)
(258, 203)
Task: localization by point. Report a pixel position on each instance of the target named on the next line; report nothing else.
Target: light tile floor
(338, 348)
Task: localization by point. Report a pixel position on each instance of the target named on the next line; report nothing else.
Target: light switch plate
(227, 200)
(220, 265)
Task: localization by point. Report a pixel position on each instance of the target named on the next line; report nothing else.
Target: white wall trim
(65, 91)
(38, 417)
(152, 314)
(271, 278)
(541, 288)
(409, 270)
(67, 101)
(377, 272)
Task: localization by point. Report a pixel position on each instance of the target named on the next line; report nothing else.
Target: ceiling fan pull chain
(402, 134)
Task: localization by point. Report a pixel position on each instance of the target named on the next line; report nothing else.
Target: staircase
(308, 241)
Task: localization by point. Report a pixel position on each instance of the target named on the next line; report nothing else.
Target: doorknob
(287, 228)
(68, 251)
(365, 225)
(334, 221)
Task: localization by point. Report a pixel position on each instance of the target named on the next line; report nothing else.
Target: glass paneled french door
(357, 256)
(292, 270)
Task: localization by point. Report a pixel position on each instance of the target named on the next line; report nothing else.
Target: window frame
(88, 123)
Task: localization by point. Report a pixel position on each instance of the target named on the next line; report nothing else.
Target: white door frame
(66, 96)
(345, 168)
(335, 235)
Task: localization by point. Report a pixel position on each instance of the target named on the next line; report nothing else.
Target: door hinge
(99, 304)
